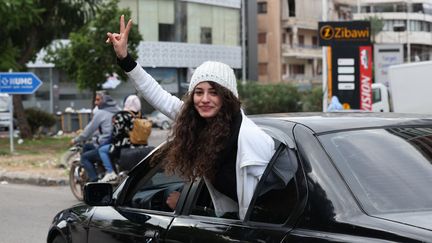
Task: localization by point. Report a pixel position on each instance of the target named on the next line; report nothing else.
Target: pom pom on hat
(217, 72)
(132, 103)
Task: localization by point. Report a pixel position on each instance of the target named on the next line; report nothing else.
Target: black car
(335, 177)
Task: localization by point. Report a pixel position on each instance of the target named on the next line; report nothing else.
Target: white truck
(410, 89)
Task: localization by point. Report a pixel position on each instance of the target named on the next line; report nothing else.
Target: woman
(211, 137)
(122, 123)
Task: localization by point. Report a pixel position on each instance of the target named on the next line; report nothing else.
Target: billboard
(386, 55)
(349, 60)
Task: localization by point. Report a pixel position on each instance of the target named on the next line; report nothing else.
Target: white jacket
(254, 151)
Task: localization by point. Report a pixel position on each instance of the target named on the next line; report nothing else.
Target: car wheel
(165, 125)
(58, 239)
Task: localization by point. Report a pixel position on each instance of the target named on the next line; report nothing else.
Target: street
(26, 211)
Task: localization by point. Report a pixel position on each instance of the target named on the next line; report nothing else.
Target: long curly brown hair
(195, 142)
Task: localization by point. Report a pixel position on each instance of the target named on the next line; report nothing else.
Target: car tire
(165, 125)
(58, 239)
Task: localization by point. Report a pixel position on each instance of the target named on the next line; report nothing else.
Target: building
(288, 48)
(178, 35)
(408, 22)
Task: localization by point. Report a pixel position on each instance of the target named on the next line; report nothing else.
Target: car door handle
(154, 238)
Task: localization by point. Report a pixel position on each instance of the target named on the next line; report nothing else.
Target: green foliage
(311, 100)
(39, 119)
(270, 98)
(28, 26)
(377, 25)
(87, 59)
(13, 19)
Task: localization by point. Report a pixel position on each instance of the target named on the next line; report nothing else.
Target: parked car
(160, 120)
(335, 177)
(5, 115)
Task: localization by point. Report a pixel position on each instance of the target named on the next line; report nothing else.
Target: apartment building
(408, 22)
(288, 48)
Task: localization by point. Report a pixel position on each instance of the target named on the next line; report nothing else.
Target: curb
(26, 178)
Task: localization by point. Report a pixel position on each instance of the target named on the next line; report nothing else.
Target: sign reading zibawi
(344, 33)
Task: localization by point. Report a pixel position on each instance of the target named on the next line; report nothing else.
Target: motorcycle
(78, 176)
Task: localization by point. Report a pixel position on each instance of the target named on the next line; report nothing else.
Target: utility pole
(408, 29)
(243, 40)
(324, 59)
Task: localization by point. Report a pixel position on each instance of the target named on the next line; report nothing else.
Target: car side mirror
(98, 194)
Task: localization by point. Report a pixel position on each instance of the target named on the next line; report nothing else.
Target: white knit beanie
(132, 103)
(216, 72)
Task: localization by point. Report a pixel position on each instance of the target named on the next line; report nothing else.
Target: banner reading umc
(349, 59)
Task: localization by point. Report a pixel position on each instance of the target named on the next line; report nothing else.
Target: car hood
(417, 219)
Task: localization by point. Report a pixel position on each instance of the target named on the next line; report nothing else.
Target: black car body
(335, 177)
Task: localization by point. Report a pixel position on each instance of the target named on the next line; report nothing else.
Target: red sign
(365, 77)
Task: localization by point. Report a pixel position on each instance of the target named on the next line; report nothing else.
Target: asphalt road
(26, 211)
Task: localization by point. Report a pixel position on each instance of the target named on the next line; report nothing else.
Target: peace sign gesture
(119, 41)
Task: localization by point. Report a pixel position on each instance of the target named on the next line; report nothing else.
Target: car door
(142, 216)
(276, 205)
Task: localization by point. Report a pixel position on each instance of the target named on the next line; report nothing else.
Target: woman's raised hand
(119, 40)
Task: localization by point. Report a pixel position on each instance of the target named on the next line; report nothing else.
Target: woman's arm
(146, 85)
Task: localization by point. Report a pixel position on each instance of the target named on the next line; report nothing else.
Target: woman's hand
(119, 40)
(172, 199)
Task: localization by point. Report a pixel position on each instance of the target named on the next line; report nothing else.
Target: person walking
(211, 138)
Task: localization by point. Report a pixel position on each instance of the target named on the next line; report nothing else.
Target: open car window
(277, 194)
(153, 190)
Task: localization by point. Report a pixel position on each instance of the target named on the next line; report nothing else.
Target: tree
(30, 25)
(377, 25)
(86, 59)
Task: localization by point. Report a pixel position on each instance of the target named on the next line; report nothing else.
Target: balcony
(308, 24)
(301, 51)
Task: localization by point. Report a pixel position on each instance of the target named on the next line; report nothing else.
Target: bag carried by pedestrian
(140, 131)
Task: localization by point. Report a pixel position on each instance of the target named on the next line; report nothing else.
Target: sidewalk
(35, 178)
(54, 176)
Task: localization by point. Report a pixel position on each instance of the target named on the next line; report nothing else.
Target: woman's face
(206, 101)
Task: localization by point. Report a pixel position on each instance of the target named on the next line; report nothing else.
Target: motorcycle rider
(100, 127)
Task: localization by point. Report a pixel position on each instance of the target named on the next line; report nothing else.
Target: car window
(276, 195)
(203, 204)
(153, 191)
(389, 170)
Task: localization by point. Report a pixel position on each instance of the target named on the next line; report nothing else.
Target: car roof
(324, 122)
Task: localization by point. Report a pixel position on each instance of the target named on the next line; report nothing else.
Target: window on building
(206, 35)
(314, 41)
(291, 8)
(417, 7)
(262, 69)
(384, 8)
(296, 69)
(365, 9)
(262, 38)
(301, 40)
(401, 7)
(262, 7)
(166, 32)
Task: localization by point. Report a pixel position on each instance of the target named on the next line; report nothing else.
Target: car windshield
(389, 170)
